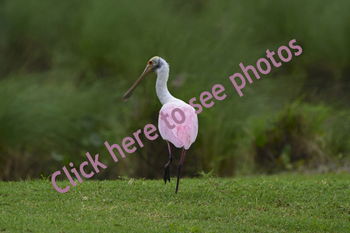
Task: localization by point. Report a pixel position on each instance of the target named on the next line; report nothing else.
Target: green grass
(284, 203)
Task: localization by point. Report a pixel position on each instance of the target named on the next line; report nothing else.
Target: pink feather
(182, 135)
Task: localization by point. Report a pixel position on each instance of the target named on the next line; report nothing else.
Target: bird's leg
(179, 170)
(167, 170)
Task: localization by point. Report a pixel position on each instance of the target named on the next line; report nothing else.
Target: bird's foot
(166, 173)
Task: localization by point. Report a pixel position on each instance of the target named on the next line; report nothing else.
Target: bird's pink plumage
(182, 135)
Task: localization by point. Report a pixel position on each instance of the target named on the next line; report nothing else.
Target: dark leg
(167, 171)
(179, 170)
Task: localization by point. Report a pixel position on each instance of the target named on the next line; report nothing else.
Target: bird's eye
(150, 62)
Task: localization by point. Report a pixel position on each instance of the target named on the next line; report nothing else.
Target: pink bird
(177, 122)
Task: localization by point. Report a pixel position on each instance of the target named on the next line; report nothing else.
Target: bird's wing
(183, 134)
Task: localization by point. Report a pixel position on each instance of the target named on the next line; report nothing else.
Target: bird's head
(153, 65)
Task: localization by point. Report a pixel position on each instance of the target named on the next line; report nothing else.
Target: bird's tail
(184, 137)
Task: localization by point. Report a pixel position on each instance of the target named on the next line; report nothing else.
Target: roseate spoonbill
(177, 122)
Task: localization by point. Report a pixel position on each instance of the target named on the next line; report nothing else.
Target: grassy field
(284, 203)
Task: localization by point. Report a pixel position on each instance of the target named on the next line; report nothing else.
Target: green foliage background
(65, 65)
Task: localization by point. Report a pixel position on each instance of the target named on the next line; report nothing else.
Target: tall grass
(65, 65)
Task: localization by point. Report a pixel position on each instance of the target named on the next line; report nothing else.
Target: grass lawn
(284, 203)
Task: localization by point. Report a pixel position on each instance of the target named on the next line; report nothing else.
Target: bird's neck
(163, 94)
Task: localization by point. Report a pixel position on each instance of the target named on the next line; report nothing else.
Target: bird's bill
(128, 94)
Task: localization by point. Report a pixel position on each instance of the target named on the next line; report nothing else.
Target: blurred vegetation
(65, 65)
